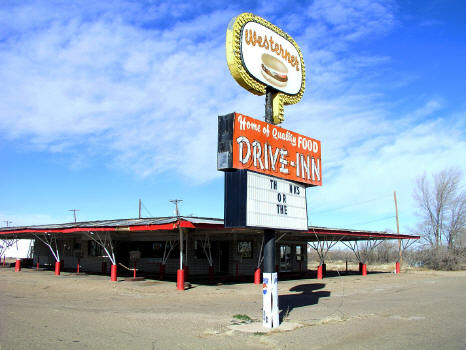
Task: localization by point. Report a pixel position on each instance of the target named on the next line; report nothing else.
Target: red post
(134, 271)
(162, 271)
(18, 265)
(364, 269)
(104, 267)
(37, 265)
(211, 273)
(57, 268)
(397, 267)
(113, 273)
(257, 276)
(77, 267)
(180, 279)
(319, 272)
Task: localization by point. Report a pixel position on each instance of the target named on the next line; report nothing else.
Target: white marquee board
(275, 203)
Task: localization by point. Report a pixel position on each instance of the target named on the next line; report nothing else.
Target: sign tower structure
(267, 168)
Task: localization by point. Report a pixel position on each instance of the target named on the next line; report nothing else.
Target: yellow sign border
(242, 76)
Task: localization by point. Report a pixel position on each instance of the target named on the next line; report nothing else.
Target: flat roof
(171, 223)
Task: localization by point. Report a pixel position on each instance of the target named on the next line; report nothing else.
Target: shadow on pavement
(304, 295)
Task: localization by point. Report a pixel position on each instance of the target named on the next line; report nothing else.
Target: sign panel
(261, 55)
(262, 201)
(247, 143)
(275, 203)
(270, 58)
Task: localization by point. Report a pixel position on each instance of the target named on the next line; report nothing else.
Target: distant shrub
(438, 259)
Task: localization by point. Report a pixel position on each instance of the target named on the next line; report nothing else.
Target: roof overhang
(169, 224)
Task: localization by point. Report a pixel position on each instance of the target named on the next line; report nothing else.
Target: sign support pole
(270, 317)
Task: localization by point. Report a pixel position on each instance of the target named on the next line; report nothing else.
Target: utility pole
(74, 213)
(140, 208)
(180, 272)
(7, 222)
(177, 213)
(398, 229)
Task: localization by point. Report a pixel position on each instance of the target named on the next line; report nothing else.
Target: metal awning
(148, 225)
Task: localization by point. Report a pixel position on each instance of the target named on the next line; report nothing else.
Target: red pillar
(319, 272)
(257, 276)
(18, 265)
(364, 269)
(162, 271)
(180, 279)
(113, 273)
(397, 267)
(37, 265)
(77, 267)
(57, 268)
(211, 273)
(134, 271)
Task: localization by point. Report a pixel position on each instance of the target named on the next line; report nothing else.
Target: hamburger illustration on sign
(274, 71)
(260, 56)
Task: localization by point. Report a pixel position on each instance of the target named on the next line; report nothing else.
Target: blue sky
(103, 103)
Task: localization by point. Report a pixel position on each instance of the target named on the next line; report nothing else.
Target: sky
(105, 103)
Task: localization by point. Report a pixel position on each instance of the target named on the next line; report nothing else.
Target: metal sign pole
(270, 318)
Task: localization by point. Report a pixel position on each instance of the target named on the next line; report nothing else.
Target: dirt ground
(413, 310)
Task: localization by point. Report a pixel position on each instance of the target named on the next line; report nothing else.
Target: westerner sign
(261, 55)
(247, 143)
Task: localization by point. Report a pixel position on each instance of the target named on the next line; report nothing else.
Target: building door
(285, 258)
(224, 256)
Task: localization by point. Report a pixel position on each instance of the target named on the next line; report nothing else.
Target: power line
(368, 222)
(350, 205)
(147, 210)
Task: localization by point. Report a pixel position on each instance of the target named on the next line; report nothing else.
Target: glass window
(245, 249)
(299, 253)
(94, 249)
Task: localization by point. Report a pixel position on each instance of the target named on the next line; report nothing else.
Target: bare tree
(441, 207)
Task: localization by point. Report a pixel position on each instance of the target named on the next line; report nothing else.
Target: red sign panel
(272, 150)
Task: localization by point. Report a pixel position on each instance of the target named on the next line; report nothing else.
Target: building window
(245, 249)
(94, 249)
(299, 253)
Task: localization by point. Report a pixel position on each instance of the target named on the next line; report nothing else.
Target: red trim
(174, 225)
(61, 230)
(170, 226)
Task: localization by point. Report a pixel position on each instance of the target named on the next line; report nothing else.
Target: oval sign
(261, 55)
(270, 58)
